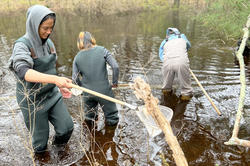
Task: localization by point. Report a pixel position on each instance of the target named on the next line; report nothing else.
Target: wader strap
(28, 44)
(33, 53)
(51, 46)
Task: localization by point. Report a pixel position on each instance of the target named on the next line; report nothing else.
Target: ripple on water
(200, 131)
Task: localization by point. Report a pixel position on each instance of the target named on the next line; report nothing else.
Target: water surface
(134, 41)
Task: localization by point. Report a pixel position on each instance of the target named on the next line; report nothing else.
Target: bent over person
(173, 54)
(33, 61)
(90, 64)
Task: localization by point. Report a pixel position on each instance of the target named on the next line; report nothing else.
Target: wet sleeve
(187, 41)
(114, 65)
(20, 60)
(76, 73)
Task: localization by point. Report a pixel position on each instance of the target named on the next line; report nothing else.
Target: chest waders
(92, 66)
(176, 64)
(41, 103)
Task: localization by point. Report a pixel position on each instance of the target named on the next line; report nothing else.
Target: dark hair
(51, 15)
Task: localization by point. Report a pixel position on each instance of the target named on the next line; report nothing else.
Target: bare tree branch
(234, 140)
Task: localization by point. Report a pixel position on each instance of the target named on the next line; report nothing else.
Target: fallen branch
(234, 140)
(143, 91)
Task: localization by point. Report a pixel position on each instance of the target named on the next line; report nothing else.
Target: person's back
(90, 64)
(176, 49)
(173, 53)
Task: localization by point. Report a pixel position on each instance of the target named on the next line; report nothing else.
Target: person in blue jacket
(173, 54)
(89, 71)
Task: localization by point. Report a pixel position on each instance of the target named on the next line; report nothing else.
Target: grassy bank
(98, 7)
(94, 7)
(227, 17)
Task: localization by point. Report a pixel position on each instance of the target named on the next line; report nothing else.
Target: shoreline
(96, 8)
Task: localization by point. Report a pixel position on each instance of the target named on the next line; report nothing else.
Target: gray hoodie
(21, 56)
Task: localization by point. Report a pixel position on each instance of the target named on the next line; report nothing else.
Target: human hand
(63, 82)
(114, 86)
(66, 93)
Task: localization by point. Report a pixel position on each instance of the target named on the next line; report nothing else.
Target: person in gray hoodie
(90, 65)
(173, 54)
(38, 88)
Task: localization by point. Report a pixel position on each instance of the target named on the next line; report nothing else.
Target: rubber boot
(166, 92)
(186, 97)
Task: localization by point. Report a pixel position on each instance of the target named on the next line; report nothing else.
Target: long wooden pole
(204, 91)
(129, 85)
(103, 96)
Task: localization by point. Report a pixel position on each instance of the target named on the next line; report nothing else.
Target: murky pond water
(134, 41)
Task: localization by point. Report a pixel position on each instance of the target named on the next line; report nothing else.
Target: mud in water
(134, 41)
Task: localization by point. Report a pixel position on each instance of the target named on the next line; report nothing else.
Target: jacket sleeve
(114, 65)
(161, 49)
(187, 41)
(20, 60)
(76, 73)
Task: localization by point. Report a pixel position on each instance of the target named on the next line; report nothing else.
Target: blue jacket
(171, 37)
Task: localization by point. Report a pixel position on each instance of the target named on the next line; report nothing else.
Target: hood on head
(34, 15)
(175, 30)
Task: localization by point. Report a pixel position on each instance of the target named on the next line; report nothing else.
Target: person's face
(46, 28)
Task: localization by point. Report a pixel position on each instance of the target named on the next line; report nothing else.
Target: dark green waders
(109, 108)
(92, 65)
(43, 103)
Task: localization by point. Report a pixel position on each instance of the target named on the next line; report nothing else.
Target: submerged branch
(234, 139)
(237, 141)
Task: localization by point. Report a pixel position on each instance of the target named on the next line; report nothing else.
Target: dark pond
(134, 41)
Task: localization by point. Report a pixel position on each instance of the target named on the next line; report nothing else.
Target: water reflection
(176, 104)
